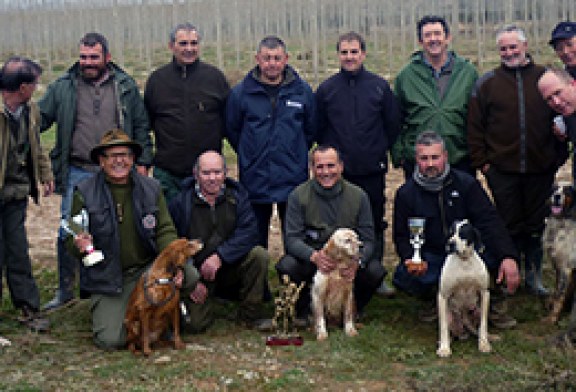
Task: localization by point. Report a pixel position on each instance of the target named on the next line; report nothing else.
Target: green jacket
(58, 106)
(40, 164)
(422, 108)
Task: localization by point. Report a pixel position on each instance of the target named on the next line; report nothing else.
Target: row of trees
(48, 30)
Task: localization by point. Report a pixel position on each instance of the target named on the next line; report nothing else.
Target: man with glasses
(186, 101)
(433, 90)
(271, 123)
(94, 95)
(359, 115)
(130, 224)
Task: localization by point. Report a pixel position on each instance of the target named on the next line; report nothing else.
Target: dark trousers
(367, 280)
(374, 187)
(263, 212)
(14, 257)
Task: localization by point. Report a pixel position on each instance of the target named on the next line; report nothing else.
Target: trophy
(93, 256)
(417, 265)
(285, 315)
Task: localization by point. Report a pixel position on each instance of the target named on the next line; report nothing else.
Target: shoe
(262, 325)
(428, 312)
(301, 322)
(58, 301)
(34, 321)
(385, 290)
(501, 320)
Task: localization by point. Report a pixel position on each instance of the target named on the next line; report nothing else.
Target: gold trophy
(80, 223)
(285, 315)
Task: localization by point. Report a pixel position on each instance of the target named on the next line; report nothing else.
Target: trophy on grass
(79, 223)
(285, 315)
(416, 226)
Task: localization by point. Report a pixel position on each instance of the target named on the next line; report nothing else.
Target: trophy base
(284, 340)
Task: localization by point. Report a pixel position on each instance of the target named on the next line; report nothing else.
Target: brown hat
(114, 138)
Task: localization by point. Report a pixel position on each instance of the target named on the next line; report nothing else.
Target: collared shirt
(442, 77)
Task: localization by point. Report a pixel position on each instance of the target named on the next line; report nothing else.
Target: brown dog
(333, 296)
(153, 305)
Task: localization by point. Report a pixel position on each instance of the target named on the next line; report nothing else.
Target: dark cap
(115, 138)
(562, 30)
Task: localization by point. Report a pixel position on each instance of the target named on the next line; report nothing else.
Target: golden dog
(333, 296)
(153, 305)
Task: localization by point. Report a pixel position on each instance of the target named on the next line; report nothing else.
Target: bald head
(558, 90)
(210, 174)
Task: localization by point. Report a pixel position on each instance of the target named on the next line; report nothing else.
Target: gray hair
(511, 29)
(428, 138)
(183, 26)
(271, 42)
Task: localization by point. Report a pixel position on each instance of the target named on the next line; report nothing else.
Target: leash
(159, 281)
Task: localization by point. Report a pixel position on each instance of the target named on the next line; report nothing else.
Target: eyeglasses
(118, 155)
(183, 44)
(344, 52)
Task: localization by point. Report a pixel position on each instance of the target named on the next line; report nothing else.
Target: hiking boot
(428, 312)
(262, 325)
(386, 290)
(60, 300)
(34, 321)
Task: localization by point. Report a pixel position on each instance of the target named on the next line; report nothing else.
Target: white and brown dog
(559, 243)
(463, 296)
(333, 296)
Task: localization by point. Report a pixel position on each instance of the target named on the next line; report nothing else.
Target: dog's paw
(322, 335)
(484, 346)
(551, 319)
(179, 344)
(444, 352)
(351, 331)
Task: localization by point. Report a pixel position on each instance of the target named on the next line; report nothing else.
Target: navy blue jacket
(271, 137)
(462, 197)
(359, 115)
(239, 241)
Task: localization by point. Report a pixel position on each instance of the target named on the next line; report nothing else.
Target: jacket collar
(186, 69)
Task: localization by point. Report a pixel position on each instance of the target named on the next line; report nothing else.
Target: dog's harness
(159, 281)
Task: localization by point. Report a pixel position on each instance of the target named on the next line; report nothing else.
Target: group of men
(440, 124)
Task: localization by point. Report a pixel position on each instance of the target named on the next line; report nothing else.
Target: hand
(509, 272)
(199, 294)
(210, 267)
(142, 170)
(324, 263)
(179, 278)
(416, 269)
(48, 188)
(82, 241)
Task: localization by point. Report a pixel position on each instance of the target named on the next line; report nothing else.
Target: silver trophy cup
(80, 223)
(416, 226)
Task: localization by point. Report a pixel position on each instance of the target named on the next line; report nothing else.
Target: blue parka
(271, 136)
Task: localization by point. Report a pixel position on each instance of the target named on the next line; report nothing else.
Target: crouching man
(442, 195)
(130, 223)
(216, 210)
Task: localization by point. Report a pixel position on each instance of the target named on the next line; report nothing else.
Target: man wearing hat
(129, 223)
(563, 41)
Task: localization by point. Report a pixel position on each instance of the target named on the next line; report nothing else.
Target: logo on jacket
(149, 221)
(294, 104)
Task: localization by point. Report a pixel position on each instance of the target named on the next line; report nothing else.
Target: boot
(66, 273)
(533, 254)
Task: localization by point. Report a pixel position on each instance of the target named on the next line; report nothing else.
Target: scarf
(431, 184)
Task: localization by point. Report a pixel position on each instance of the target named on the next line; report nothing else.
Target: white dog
(333, 296)
(463, 297)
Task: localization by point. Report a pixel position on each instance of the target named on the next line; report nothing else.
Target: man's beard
(89, 77)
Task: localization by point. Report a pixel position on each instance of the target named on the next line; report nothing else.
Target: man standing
(563, 41)
(359, 115)
(315, 210)
(433, 91)
(442, 195)
(93, 96)
(216, 210)
(511, 142)
(130, 224)
(186, 101)
(23, 164)
(271, 124)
